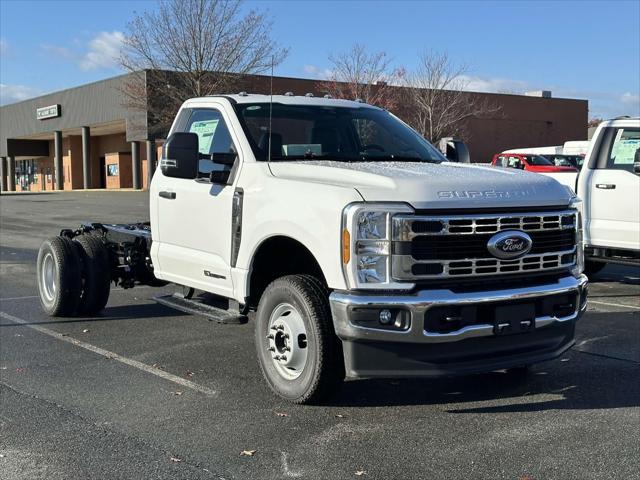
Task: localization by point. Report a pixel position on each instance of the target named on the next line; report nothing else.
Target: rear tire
(58, 277)
(295, 310)
(592, 268)
(96, 274)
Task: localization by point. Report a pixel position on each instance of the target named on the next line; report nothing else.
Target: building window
(112, 170)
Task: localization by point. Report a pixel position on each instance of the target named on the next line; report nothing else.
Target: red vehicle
(529, 162)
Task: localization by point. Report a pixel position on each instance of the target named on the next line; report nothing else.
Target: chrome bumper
(343, 303)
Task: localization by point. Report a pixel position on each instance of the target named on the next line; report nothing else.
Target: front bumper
(473, 348)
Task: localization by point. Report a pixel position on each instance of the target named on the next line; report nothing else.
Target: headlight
(576, 204)
(366, 245)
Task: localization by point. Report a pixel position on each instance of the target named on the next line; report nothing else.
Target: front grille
(456, 246)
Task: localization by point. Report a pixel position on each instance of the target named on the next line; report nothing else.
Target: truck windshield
(309, 132)
(537, 160)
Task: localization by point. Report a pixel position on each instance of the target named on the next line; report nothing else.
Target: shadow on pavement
(626, 274)
(134, 312)
(587, 382)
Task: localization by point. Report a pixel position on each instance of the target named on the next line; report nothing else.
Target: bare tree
(441, 104)
(594, 122)
(192, 48)
(358, 74)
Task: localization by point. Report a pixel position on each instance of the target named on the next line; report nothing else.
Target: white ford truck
(363, 251)
(609, 185)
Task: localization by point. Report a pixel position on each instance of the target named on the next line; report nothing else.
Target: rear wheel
(298, 350)
(59, 279)
(96, 274)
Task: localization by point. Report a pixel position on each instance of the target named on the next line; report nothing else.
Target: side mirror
(636, 167)
(222, 158)
(220, 176)
(180, 158)
(227, 159)
(455, 150)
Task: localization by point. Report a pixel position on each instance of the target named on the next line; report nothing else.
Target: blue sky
(587, 49)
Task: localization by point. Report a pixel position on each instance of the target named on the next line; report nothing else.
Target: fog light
(386, 317)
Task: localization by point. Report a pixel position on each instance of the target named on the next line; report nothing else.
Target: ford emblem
(509, 244)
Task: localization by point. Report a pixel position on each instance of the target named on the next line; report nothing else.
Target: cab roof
(286, 100)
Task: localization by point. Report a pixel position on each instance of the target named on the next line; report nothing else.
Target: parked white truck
(363, 251)
(609, 185)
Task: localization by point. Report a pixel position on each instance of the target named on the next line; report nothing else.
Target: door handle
(169, 195)
(606, 186)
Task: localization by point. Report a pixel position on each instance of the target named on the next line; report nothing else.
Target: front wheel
(298, 350)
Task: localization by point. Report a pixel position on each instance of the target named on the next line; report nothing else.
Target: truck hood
(431, 185)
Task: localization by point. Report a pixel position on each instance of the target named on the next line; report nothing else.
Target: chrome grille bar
(403, 265)
(407, 227)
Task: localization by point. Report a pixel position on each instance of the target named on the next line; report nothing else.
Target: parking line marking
(112, 356)
(614, 304)
(18, 298)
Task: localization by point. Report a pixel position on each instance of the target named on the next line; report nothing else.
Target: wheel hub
(287, 341)
(48, 277)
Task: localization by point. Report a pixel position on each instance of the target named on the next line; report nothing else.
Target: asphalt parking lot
(147, 392)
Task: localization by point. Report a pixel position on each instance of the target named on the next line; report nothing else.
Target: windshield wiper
(361, 158)
(311, 157)
(306, 156)
(398, 158)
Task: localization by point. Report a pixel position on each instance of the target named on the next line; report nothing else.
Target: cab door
(194, 216)
(614, 194)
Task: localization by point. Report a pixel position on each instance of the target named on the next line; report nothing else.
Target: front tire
(58, 277)
(298, 350)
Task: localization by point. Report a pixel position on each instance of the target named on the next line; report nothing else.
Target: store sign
(52, 111)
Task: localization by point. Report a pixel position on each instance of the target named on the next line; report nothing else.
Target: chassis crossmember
(129, 247)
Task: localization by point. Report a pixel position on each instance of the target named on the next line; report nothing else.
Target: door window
(625, 150)
(213, 137)
(514, 162)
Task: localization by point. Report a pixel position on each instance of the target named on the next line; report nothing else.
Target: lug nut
(286, 335)
(270, 337)
(272, 349)
(283, 357)
(273, 327)
(280, 327)
(288, 349)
